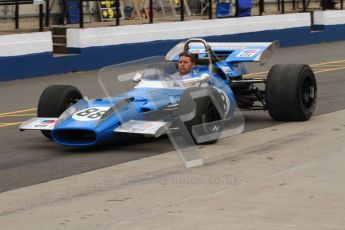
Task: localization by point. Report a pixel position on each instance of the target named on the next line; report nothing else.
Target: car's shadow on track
(131, 144)
(135, 144)
(258, 120)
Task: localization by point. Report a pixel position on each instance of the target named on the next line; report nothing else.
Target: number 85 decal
(90, 114)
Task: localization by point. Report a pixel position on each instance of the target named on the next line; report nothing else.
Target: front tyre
(54, 100)
(291, 92)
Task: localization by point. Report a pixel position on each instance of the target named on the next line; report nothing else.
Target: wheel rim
(308, 92)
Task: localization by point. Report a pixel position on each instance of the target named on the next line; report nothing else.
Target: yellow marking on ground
(18, 111)
(323, 63)
(336, 64)
(258, 73)
(258, 76)
(18, 115)
(328, 66)
(10, 124)
(317, 68)
(328, 70)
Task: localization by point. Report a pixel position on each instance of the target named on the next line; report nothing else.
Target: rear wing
(231, 52)
(245, 52)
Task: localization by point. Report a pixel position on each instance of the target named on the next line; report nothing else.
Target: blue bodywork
(149, 103)
(137, 104)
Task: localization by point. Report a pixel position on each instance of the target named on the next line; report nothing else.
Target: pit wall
(332, 23)
(30, 55)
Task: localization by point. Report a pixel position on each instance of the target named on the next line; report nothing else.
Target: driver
(185, 75)
(185, 64)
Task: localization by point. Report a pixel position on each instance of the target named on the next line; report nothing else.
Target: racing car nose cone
(74, 137)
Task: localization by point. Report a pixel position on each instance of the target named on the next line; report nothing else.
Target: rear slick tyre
(291, 92)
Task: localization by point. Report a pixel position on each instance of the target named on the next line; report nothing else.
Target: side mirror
(137, 77)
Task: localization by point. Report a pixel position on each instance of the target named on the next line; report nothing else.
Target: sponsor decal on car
(141, 127)
(90, 114)
(248, 53)
(45, 123)
(39, 123)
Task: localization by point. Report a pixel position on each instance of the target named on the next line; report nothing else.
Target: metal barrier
(117, 11)
(281, 7)
(324, 4)
(16, 3)
(295, 5)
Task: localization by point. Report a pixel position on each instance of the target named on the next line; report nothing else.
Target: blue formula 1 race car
(200, 108)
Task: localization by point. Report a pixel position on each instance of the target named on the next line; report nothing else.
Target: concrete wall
(107, 36)
(24, 44)
(99, 47)
(329, 17)
(330, 25)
